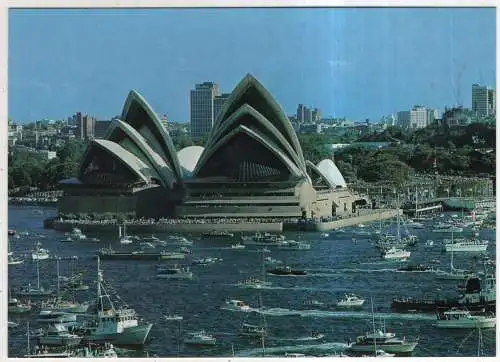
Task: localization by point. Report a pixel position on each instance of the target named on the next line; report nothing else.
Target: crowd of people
(168, 221)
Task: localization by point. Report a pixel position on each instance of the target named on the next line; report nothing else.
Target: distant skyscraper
(100, 128)
(85, 126)
(316, 115)
(300, 113)
(417, 117)
(307, 114)
(219, 102)
(202, 108)
(483, 100)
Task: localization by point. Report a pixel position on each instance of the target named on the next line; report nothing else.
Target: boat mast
(28, 334)
(416, 201)
(99, 297)
(373, 323)
(58, 286)
(37, 274)
(399, 231)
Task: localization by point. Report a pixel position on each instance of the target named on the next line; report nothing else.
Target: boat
(379, 353)
(238, 246)
(479, 295)
(236, 305)
(466, 245)
(174, 273)
(462, 319)
(58, 335)
(39, 291)
(294, 245)
(253, 283)
(218, 234)
(415, 268)
(394, 253)
(39, 253)
(446, 228)
(115, 324)
(454, 273)
(206, 261)
(386, 341)
(14, 261)
(271, 261)
(200, 338)
(286, 270)
(324, 235)
(294, 355)
(50, 316)
(252, 330)
(12, 324)
(111, 254)
(173, 317)
(58, 304)
(100, 351)
(11, 232)
(350, 301)
(122, 235)
(15, 306)
(179, 240)
(76, 234)
(263, 239)
(313, 303)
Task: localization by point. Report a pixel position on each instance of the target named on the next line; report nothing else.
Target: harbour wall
(194, 228)
(364, 217)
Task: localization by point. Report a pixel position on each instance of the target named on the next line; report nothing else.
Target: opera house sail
(252, 165)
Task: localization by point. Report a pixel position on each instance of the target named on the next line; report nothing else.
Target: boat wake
(278, 312)
(273, 351)
(298, 339)
(331, 272)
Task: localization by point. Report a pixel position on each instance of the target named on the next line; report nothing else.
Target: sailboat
(11, 259)
(59, 304)
(454, 273)
(115, 324)
(387, 241)
(39, 291)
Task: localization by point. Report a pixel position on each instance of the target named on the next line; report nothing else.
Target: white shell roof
(188, 158)
(330, 170)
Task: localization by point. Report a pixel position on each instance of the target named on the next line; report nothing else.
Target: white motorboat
(462, 319)
(446, 228)
(58, 335)
(252, 330)
(294, 355)
(113, 323)
(238, 246)
(236, 305)
(76, 234)
(253, 283)
(173, 317)
(294, 245)
(15, 306)
(14, 261)
(386, 341)
(395, 254)
(174, 273)
(49, 316)
(263, 239)
(350, 301)
(466, 245)
(200, 338)
(122, 235)
(39, 253)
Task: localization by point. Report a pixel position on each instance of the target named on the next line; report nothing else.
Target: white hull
(465, 248)
(198, 342)
(467, 323)
(389, 348)
(178, 276)
(350, 305)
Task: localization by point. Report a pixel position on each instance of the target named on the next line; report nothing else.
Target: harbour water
(343, 262)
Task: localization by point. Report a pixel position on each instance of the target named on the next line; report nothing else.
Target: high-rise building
(417, 117)
(483, 100)
(219, 102)
(316, 115)
(85, 126)
(100, 128)
(307, 115)
(202, 108)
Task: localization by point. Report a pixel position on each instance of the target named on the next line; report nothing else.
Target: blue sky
(357, 63)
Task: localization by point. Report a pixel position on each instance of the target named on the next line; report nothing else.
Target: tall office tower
(483, 100)
(202, 108)
(88, 123)
(79, 125)
(219, 102)
(300, 113)
(100, 128)
(307, 115)
(316, 115)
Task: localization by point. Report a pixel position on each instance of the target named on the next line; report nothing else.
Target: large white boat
(39, 253)
(263, 239)
(49, 316)
(466, 245)
(236, 305)
(76, 234)
(253, 283)
(174, 273)
(462, 319)
(252, 330)
(200, 338)
(395, 254)
(293, 245)
(15, 306)
(350, 301)
(386, 341)
(58, 335)
(114, 324)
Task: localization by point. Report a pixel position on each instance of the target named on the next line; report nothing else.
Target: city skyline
(400, 58)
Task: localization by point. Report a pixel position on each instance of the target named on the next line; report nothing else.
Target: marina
(333, 267)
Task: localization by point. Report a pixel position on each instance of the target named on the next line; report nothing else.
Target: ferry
(218, 234)
(236, 305)
(386, 341)
(462, 319)
(174, 273)
(286, 270)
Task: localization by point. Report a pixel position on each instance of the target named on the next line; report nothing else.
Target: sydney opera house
(251, 166)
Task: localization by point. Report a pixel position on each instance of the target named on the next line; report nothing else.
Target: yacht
(49, 316)
(386, 341)
(58, 335)
(39, 291)
(237, 305)
(350, 301)
(396, 254)
(446, 228)
(464, 245)
(294, 245)
(238, 246)
(119, 325)
(462, 319)
(263, 239)
(454, 273)
(15, 306)
(174, 273)
(76, 234)
(200, 338)
(253, 283)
